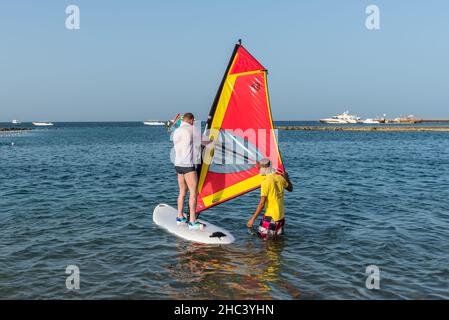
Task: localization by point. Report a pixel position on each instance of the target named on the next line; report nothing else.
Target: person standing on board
(272, 198)
(187, 145)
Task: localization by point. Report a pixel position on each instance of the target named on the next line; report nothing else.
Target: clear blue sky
(133, 60)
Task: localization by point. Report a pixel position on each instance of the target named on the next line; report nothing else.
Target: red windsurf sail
(241, 126)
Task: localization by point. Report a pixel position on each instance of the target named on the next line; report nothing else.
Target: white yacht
(154, 123)
(343, 118)
(16, 121)
(43, 124)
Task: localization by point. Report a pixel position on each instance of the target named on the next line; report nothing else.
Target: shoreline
(329, 128)
(365, 129)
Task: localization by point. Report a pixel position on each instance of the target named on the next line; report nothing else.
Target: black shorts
(184, 170)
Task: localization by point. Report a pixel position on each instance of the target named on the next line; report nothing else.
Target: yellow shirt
(273, 187)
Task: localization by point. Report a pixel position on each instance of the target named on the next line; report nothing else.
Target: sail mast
(217, 96)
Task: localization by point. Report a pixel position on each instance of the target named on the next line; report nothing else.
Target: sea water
(82, 194)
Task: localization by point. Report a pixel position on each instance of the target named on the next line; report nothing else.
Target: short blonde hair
(265, 166)
(265, 163)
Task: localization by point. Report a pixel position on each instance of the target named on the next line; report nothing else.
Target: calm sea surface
(83, 194)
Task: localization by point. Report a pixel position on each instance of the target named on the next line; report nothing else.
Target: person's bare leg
(182, 194)
(191, 179)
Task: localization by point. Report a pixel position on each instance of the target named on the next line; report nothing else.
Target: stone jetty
(14, 129)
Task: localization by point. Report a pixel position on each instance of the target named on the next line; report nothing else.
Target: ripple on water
(83, 194)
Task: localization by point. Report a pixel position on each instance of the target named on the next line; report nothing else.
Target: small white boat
(43, 124)
(16, 121)
(343, 118)
(154, 123)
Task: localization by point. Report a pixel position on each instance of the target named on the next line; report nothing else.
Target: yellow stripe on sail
(204, 169)
(233, 190)
(246, 73)
(222, 105)
(271, 119)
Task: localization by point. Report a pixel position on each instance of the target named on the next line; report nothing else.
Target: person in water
(187, 144)
(272, 198)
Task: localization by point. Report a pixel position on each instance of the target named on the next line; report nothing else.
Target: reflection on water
(83, 193)
(229, 272)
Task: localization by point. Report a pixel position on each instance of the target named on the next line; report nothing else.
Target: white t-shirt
(187, 143)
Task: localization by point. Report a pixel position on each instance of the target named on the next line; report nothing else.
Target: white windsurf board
(165, 216)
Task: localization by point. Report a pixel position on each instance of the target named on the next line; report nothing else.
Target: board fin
(217, 234)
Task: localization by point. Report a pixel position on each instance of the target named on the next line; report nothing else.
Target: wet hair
(188, 116)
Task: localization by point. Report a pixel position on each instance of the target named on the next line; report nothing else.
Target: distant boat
(154, 123)
(16, 121)
(43, 124)
(343, 118)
